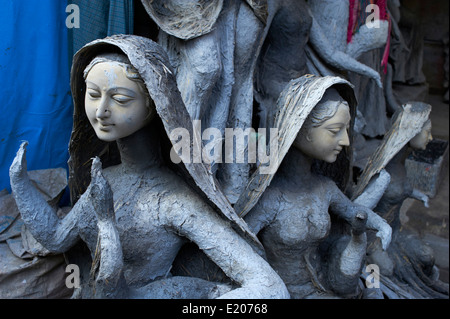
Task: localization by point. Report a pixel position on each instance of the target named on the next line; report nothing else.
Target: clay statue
(343, 43)
(282, 56)
(310, 37)
(221, 69)
(329, 39)
(291, 215)
(134, 215)
(407, 268)
(213, 62)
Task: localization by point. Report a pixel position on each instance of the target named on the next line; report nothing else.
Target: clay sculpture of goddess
(135, 216)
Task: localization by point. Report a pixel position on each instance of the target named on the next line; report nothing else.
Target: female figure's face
(327, 140)
(421, 140)
(115, 105)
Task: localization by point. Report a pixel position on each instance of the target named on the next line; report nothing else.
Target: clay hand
(425, 201)
(385, 234)
(359, 223)
(100, 192)
(18, 169)
(421, 196)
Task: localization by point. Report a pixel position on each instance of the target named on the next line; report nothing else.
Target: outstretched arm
(368, 39)
(339, 59)
(57, 235)
(228, 250)
(345, 208)
(374, 190)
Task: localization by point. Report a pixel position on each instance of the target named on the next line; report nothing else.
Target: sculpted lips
(104, 126)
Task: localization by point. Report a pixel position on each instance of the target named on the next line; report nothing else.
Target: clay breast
(304, 218)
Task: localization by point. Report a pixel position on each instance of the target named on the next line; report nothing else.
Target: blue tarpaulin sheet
(37, 42)
(35, 98)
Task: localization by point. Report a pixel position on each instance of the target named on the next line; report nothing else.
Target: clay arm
(368, 39)
(230, 252)
(374, 190)
(347, 252)
(109, 248)
(346, 257)
(57, 235)
(345, 208)
(336, 58)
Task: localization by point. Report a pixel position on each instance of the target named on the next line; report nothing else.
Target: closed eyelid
(122, 98)
(128, 96)
(336, 127)
(93, 93)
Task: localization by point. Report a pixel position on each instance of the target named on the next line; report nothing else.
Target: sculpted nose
(103, 109)
(344, 141)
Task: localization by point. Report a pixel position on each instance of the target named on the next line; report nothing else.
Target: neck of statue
(140, 150)
(296, 164)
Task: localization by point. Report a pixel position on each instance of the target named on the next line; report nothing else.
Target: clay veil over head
(294, 105)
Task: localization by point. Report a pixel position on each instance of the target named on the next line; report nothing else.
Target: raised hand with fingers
(18, 168)
(100, 193)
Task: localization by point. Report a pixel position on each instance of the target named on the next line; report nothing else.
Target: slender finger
(22, 150)
(96, 168)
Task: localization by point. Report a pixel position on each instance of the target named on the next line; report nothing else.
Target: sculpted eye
(93, 94)
(334, 131)
(122, 99)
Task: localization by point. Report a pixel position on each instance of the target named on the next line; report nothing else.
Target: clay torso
(141, 207)
(295, 222)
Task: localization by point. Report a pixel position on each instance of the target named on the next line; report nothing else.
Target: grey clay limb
(282, 55)
(135, 216)
(108, 258)
(40, 218)
(329, 38)
(339, 59)
(374, 190)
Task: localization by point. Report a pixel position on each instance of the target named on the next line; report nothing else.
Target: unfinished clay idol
(346, 36)
(407, 267)
(292, 216)
(329, 40)
(213, 59)
(136, 213)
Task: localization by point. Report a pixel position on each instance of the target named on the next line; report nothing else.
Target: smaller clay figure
(408, 260)
(292, 217)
